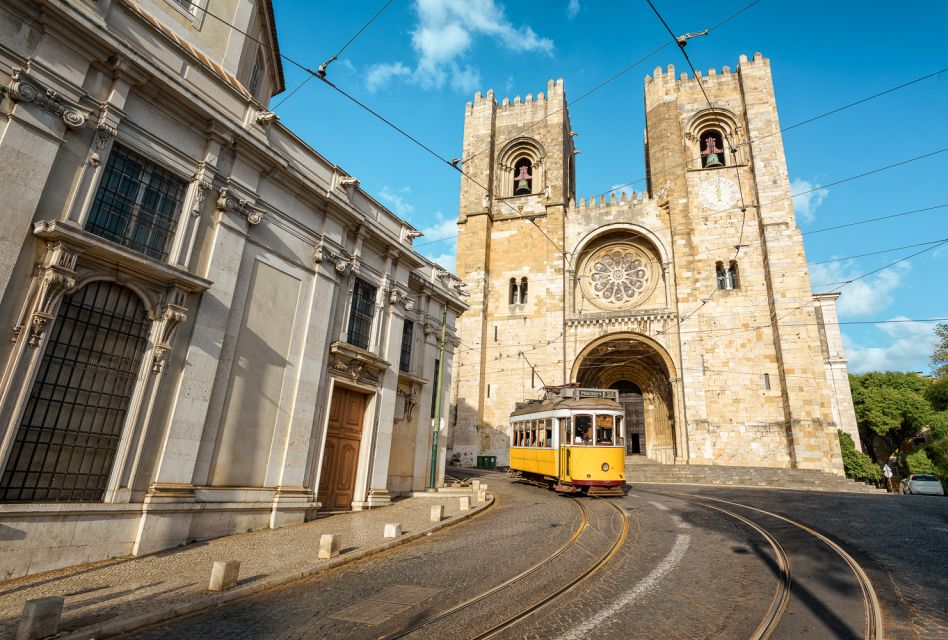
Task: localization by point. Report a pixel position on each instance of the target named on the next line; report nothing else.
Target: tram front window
(604, 430)
(584, 429)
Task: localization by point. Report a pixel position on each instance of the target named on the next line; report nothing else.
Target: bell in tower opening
(712, 154)
(523, 179)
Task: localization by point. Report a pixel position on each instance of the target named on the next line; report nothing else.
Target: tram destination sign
(611, 394)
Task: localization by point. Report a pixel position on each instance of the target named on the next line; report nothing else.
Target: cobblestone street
(685, 570)
(694, 562)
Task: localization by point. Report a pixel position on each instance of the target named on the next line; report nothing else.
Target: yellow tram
(572, 440)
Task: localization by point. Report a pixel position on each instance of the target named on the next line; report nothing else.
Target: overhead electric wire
(723, 131)
(336, 55)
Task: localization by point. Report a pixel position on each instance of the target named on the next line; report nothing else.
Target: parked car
(922, 484)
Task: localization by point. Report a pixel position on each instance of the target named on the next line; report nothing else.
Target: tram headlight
(605, 466)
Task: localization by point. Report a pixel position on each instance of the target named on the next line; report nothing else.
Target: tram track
(769, 625)
(512, 619)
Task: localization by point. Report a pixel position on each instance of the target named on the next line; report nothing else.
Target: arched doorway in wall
(641, 372)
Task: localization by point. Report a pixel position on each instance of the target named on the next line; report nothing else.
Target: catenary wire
(336, 55)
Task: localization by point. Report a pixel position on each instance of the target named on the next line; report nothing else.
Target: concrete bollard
(329, 544)
(465, 503)
(437, 513)
(40, 618)
(393, 530)
(483, 487)
(482, 496)
(224, 575)
(476, 486)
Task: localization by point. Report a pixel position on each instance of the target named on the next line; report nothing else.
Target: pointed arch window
(514, 293)
(523, 290)
(523, 177)
(712, 149)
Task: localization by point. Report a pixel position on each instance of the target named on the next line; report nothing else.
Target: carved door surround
(341, 455)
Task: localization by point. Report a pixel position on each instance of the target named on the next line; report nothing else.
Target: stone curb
(877, 492)
(170, 612)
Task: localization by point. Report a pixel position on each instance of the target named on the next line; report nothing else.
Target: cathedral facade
(692, 298)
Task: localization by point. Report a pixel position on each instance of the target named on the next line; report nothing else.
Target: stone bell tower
(758, 385)
(520, 158)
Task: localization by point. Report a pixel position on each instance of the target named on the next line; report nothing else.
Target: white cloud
(909, 348)
(863, 297)
(444, 34)
(446, 260)
(379, 75)
(812, 196)
(444, 253)
(573, 8)
(396, 200)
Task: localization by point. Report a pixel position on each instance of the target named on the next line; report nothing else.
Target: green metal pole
(436, 421)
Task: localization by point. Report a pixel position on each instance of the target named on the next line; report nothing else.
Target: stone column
(396, 303)
(179, 450)
(29, 142)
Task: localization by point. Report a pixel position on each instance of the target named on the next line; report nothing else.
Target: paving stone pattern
(900, 541)
(523, 527)
(720, 588)
(128, 586)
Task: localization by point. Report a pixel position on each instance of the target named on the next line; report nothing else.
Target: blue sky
(421, 60)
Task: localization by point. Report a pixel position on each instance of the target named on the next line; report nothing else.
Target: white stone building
(213, 328)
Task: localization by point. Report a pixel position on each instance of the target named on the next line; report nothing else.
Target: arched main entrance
(641, 372)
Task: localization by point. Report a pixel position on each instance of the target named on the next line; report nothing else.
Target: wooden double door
(341, 456)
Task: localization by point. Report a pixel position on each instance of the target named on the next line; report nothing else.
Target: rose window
(618, 277)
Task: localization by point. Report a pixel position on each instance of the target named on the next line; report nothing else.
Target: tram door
(630, 397)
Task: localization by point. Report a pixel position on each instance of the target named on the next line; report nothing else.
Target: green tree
(857, 464)
(917, 462)
(891, 409)
(937, 394)
(940, 356)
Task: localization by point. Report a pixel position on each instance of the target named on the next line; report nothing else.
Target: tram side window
(533, 433)
(517, 434)
(584, 429)
(620, 434)
(604, 430)
(568, 429)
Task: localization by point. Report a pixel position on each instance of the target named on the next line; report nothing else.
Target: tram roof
(538, 406)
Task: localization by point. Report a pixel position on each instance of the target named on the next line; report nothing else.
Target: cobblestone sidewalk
(111, 597)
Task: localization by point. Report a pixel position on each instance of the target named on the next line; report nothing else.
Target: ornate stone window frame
(72, 259)
(196, 174)
(722, 121)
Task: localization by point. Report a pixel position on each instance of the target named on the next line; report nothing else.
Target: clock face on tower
(718, 193)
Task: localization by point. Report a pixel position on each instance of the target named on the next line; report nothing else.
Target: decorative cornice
(227, 201)
(23, 88)
(356, 364)
(323, 253)
(646, 323)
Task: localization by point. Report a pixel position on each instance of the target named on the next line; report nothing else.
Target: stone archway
(635, 364)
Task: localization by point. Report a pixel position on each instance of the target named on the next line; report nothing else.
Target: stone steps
(644, 470)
